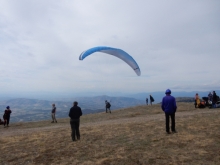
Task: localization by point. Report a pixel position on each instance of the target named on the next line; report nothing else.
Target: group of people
(212, 100)
(6, 117)
(74, 114)
(168, 106)
(151, 100)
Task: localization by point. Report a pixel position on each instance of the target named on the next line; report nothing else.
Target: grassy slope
(124, 137)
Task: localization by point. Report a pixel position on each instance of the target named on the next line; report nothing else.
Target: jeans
(6, 120)
(107, 110)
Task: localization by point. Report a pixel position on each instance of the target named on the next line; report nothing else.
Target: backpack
(152, 99)
(108, 105)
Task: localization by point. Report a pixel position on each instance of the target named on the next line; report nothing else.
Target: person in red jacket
(6, 116)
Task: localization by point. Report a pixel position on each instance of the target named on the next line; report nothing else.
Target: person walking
(6, 116)
(53, 113)
(169, 107)
(147, 101)
(74, 114)
(107, 106)
(151, 100)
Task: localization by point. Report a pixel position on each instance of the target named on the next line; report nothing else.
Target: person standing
(53, 113)
(214, 99)
(151, 100)
(210, 96)
(169, 107)
(74, 114)
(197, 100)
(6, 116)
(107, 106)
(147, 101)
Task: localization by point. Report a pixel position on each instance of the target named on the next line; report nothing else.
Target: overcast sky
(175, 43)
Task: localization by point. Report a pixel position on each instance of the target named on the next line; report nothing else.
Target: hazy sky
(175, 43)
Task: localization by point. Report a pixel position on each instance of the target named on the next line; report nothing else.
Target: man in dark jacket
(6, 116)
(151, 100)
(214, 99)
(107, 106)
(147, 101)
(169, 107)
(74, 114)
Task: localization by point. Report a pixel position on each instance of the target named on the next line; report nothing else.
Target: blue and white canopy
(115, 52)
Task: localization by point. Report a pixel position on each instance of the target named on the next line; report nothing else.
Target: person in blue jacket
(169, 107)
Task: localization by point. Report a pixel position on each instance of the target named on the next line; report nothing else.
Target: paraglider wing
(115, 52)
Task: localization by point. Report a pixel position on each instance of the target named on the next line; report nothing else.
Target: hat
(168, 91)
(7, 107)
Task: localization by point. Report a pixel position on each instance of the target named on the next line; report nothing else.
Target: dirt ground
(131, 136)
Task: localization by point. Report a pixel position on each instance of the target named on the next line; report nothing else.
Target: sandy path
(11, 131)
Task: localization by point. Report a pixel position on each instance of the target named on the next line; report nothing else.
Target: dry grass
(126, 137)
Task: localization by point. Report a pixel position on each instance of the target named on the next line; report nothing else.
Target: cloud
(175, 43)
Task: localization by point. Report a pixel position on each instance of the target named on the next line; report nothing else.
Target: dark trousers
(168, 122)
(7, 119)
(107, 110)
(75, 129)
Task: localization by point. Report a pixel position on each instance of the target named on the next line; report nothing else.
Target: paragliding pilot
(169, 107)
(151, 100)
(107, 106)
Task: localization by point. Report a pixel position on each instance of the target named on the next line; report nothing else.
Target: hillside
(24, 109)
(36, 110)
(185, 99)
(127, 136)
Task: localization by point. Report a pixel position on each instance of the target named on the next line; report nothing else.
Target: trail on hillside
(15, 130)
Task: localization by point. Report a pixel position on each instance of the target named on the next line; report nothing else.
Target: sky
(175, 43)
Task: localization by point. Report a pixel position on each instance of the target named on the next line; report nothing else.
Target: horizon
(58, 96)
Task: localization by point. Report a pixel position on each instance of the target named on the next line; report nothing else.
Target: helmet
(168, 91)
